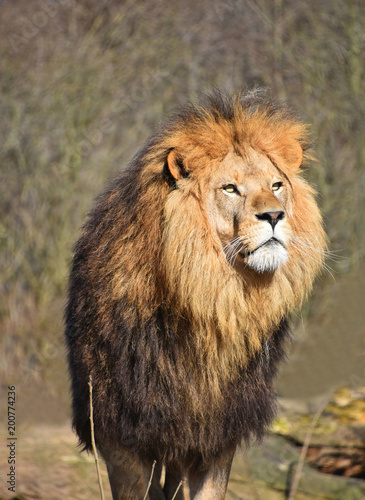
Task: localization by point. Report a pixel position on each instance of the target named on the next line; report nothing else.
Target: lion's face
(249, 206)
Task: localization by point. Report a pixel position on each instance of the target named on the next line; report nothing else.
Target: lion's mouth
(268, 243)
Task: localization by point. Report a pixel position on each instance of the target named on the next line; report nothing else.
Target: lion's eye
(276, 186)
(230, 188)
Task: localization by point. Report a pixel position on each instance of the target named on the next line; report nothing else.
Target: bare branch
(307, 440)
(177, 490)
(150, 481)
(93, 440)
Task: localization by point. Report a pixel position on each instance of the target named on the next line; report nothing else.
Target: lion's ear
(294, 156)
(175, 164)
(289, 157)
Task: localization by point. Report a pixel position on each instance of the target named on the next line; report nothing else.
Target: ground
(50, 466)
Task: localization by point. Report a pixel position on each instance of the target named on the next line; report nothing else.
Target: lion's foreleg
(129, 475)
(211, 483)
(173, 488)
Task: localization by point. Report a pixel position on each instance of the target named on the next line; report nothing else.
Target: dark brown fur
(161, 385)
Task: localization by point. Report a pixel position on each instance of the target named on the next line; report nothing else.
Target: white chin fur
(268, 258)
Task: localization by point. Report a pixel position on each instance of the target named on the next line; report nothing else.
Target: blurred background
(82, 85)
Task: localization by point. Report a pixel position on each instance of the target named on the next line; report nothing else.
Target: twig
(150, 481)
(93, 440)
(306, 443)
(233, 494)
(177, 490)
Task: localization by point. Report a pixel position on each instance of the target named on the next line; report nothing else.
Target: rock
(336, 454)
(272, 466)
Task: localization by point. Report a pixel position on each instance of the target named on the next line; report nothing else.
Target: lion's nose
(271, 217)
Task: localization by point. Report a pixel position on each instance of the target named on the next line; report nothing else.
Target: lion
(181, 289)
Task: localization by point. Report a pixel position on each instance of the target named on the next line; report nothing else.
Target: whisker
(330, 254)
(232, 248)
(318, 261)
(240, 248)
(326, 253)
(304, 251)
(231, 242)
(232, 251)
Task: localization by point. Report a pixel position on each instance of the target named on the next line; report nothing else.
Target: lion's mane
(181, 348)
